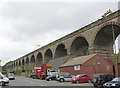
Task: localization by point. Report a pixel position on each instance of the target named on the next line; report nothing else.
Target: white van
(11, 76)
(3, 80)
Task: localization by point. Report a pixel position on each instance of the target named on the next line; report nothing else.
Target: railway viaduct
(96, 37)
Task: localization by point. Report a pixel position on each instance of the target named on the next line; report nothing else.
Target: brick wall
(95, 65)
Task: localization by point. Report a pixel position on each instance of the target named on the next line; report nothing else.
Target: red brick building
(90, 65)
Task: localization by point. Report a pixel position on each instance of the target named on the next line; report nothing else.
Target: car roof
(10, 73)
(82, 74)
(102, 74)
(117, 78)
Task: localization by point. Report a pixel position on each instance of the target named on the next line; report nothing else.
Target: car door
(54, 77)
(68, 78)
(83, 78)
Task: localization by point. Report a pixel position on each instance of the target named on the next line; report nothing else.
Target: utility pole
(113, 33)
(115, 57)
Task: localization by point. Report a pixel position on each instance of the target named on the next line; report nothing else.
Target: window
(84, 76)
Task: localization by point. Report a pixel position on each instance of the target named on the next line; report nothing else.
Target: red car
(81, 78)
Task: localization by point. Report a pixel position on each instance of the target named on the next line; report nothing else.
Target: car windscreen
(1, 75)
(52, 71)
(77, 76)
(116, 79)
(64, 74)
(96, 75)
(10, 74)
(99, 75)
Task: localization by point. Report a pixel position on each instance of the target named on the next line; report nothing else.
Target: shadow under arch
(60, 51)
(79, 47)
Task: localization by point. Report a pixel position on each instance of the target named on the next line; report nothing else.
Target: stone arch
(79, 47)
(16, 64)
(103, 41)
(48, 55)
(60, 51)
(32, 60)
(12, 65)
(39, 59)
(27, 60)
(23, 62)
(8, 66)
(104, 36)
(19, 63)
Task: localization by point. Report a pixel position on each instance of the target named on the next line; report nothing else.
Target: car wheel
(77, 81)
(95, 80)
(50, 79)
(89, 81)
(61, 80)
(73, 82)
(41, 77)
(47, 79)
(100, 86)
(95, 85)
(2, 84)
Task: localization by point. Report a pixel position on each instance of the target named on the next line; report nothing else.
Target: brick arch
(60, 50)
(48, 55)
(8, 66)
(12, 65)
(80, 36)
(79, 46)
(27, 61)
(19, 62)
(103, 25)
(23, 62)
(16, 63)
(39, 59)
(109, 23)
(32, 59)
(103, 40)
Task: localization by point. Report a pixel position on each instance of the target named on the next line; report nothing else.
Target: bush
(3, 72)
(12, 71)
(22, 70)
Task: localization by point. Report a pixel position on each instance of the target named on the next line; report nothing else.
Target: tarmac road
(24, 82)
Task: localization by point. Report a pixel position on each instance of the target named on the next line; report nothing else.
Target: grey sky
(26, 24)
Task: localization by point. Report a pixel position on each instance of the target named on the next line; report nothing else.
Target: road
(23, 81)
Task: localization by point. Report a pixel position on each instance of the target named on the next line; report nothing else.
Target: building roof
(78, 60)
(56, 63)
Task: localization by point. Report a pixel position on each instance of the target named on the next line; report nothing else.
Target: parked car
(99, 79)
(3, 80)
(114, 83)
(81, 78)
(11, 76)
(51, 77)
(63, 76)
